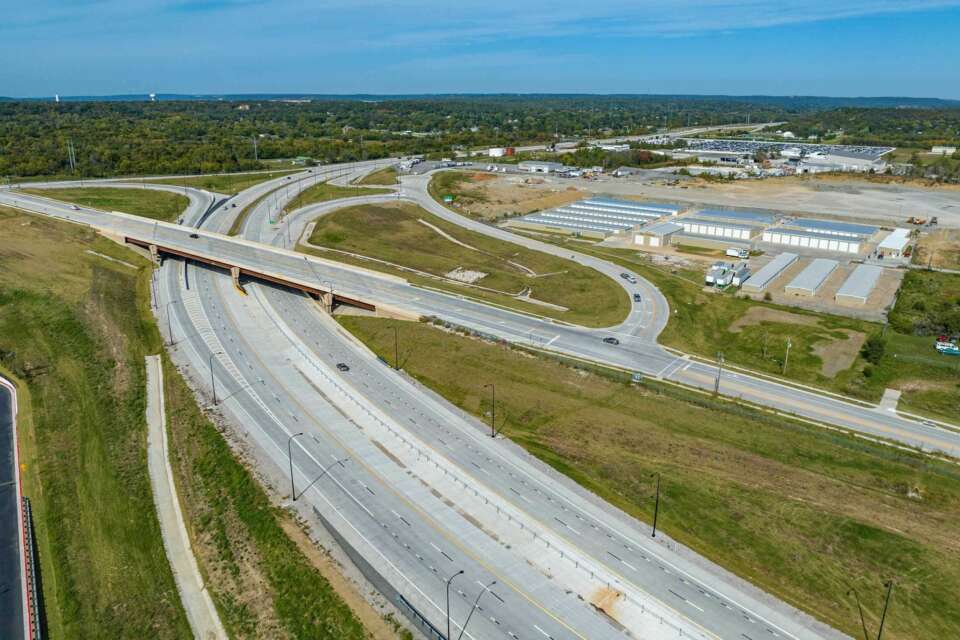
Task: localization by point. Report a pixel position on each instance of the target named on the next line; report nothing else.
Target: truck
(737, 252)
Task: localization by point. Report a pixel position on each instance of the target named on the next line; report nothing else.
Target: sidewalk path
(196, 600)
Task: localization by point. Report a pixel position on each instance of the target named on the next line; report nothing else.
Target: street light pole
(475, 603)
(716, 385)
(883, 618)
(170, 326)
(493, 409)
(787, 356)
(293, 491)
(449, 580)
(863, 622)
(656, 505)
(213, 381)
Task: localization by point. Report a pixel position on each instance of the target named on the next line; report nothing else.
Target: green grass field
(702, 322)
(229, 184)
(394, 232)
(149, 203)
(383, 176)
(325, 191)
(74, 330)
(804, 513)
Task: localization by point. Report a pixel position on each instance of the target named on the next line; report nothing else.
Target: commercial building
(810, 240)
(895, 244)
(759, 281)
(941, 150)
(598, 216)
(536, 166)
(857, 287)
(658, 234)
(499, 152)
(808, 281)
(718, 229)
(831, 228)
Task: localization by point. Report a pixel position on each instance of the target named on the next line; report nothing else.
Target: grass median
(229, 184)
(409, 236)
(383, 176)
(149, 203)
(804, 513)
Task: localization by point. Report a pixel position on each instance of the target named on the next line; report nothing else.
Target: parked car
(342, 366)
(611, 340)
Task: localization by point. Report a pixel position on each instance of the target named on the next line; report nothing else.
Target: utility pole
(787, 356)
(716, 385)
(449, 580)
(656, 506)
(396, 347)
(293, 491)
(883, 618)
(256, 155)
(493, 409)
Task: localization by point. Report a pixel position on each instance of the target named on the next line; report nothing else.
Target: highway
(422, 489)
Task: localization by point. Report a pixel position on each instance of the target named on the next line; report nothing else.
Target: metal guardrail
(34, 601)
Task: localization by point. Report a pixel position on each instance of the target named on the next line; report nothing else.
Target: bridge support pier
(154, 253)
(235, 276)
(327, 300)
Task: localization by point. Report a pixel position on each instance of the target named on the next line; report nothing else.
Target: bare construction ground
(490, 197)
(939, 249)
(825, 196)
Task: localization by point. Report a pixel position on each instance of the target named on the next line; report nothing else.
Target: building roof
(812, 234)
(813, 224)
(661, 228)
(771, 270)
(861, 282)
(813, 275)
(540, 163)
(896, 240)
(744, 216)
(634, 204)
(718, 223)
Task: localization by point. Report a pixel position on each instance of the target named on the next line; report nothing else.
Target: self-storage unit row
(811, 240)
(766, 275)
(859, 284)
(812, 277)
(717, 228)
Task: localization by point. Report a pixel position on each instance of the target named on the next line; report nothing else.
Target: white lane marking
(553, 339)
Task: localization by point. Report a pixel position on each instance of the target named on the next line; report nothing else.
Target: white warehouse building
(717, 228)
(811, 240)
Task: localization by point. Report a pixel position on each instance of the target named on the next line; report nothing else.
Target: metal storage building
(536, 166)
(895, 243)
(717, 228)
(811, 240)
(744, 217)
(598, 216)
(766, 275)
(832, 228)
(812, 277)
(859, 284)
(657, 234)
(646, 208)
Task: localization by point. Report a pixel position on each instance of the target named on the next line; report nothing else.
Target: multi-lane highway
(421, 493)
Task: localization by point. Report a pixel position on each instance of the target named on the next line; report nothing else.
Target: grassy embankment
(325, 191)
(149, 203)
(393, 232)
(824, 350)
(387, 176)
(229, 184)
(803, 513)
(73, 332)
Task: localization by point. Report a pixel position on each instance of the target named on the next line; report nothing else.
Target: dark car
(342, 366)
(193, 235)
(637, 298)
(234, 205)
(611, 340)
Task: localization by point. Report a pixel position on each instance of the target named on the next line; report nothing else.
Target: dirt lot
(509, 195)
(939, 249)
(827, 196)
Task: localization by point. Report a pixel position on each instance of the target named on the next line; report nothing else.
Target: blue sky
(837, 48)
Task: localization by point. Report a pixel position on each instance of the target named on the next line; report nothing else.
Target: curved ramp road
(13, 596)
